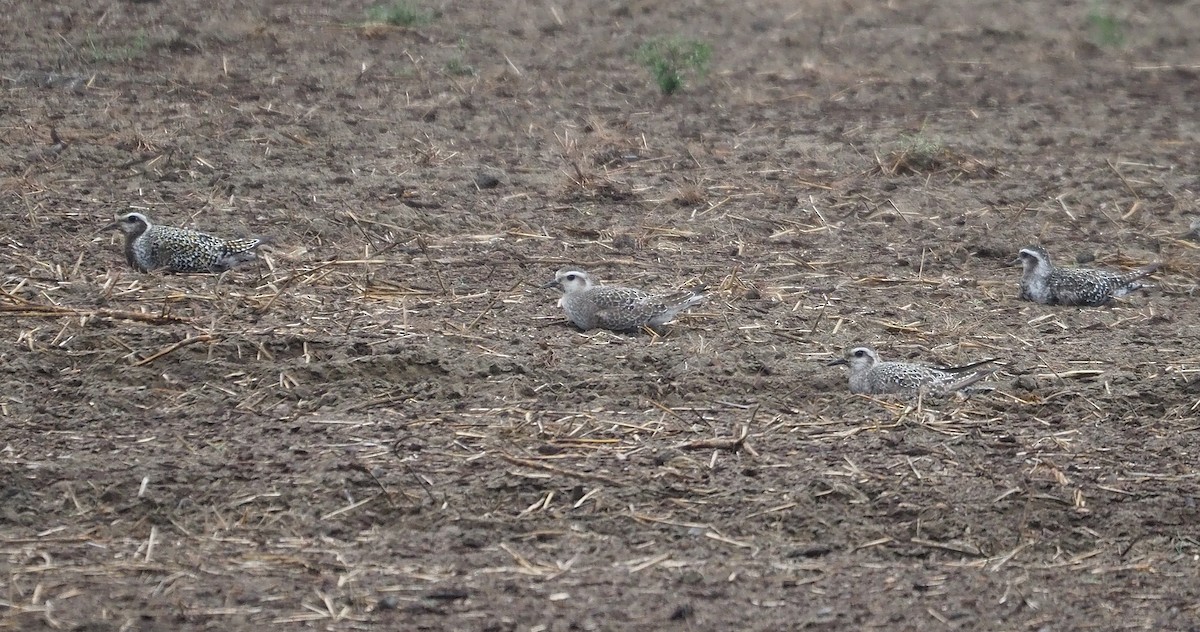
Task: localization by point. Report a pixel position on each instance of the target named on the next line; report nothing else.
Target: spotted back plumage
(591, 306)
(1045, 283)
(150, 247)
(870, 376)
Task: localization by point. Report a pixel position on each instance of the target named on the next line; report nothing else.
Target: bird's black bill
(836, 362)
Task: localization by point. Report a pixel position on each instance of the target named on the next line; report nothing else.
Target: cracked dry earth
(386, 424)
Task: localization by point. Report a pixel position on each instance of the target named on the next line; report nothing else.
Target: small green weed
(458, 66)
(669, 60)
(916, 153)
(1106, 28)
(923, 152)
(98, 51)
(399, 13)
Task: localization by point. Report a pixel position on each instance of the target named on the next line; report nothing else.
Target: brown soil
(386, 423)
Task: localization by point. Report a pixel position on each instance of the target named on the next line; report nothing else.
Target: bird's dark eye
(860, 353)
(571, 277)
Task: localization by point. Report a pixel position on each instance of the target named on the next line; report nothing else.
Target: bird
(869, 376)
(590, 306)
(150, 247)
(1043, 282)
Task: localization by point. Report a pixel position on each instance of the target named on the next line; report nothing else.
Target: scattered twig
(733, 445)
(190, 340)
(288, 281)
(436, 270)
(587, 476)
(53, 311)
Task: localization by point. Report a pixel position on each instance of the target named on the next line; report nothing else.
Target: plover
(869, 376)
(1043, 282)
(590, 306)
(150, 247)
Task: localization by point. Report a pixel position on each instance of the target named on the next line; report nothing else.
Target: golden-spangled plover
(150, 247)
(870, 376)
(1045, 283)
(591, 306)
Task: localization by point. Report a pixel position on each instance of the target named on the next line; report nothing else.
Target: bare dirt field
(387, 424)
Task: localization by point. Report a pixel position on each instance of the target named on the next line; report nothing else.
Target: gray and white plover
(869, 376)
(1045, 283)
(591, 306)
(150, 247)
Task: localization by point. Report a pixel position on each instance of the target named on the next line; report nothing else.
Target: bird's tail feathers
(966, 367)
(966, 381)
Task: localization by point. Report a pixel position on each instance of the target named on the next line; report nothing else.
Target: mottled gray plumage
(590, 306)
(869, 376)
(149, 247)
(1043, 282)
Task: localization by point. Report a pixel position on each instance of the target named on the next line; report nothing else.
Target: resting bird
(591, 306)
(869, 376)
(150, 247)
(1043, 282)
